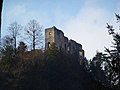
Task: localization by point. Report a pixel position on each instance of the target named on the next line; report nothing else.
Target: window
(48, 44)
(80, 53)
(49, 33)
(68, 48)
(65, 47)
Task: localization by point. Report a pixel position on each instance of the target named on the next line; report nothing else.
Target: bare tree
(34, 34)
(14, 29)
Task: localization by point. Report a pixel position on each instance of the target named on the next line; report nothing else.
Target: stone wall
(54, 35)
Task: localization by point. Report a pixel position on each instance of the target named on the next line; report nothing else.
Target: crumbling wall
(54, 35)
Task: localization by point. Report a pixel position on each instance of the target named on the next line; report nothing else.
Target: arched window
(49, 33)
(48, 44)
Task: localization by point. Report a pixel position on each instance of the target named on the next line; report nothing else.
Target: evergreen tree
(112, 58)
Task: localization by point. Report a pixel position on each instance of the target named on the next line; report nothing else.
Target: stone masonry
(54, 35)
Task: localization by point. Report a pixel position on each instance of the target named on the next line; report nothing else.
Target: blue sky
(81, 20)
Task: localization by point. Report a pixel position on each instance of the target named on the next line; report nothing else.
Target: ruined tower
(54, 35)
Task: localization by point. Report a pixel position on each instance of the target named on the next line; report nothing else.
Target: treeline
(49, 70)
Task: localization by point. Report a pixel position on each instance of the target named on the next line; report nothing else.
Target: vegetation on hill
(49, 70)
(36, 69)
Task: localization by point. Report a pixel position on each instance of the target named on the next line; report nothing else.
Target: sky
(81, 20)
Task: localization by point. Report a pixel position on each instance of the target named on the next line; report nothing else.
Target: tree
(34, 34)
(21, 48)
(97, 69)
(110, 60)
(112, 57)
(6, 50)
(7, 41)
(52, 51)
(14, 29)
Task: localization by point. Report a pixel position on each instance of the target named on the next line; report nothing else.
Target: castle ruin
(54, 35)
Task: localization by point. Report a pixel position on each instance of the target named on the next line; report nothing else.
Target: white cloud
(88, 28)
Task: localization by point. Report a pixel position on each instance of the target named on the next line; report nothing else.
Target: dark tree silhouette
(7, 48)
(22, 48)
(110, 61)
(113, 56)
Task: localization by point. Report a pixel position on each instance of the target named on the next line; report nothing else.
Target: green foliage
(7, 52)
(22, 47)
(110, 60)
(97, 69)
(113, 56)
(59, 73)
(52, 70)
(52, 51)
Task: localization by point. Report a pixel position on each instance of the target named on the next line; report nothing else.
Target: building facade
(54, 35)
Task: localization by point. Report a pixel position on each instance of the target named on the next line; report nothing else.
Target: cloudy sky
(81, 20)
